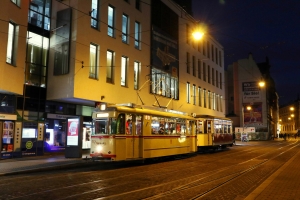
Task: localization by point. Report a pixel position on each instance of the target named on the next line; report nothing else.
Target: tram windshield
(105, 126)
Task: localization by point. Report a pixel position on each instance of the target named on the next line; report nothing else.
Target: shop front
(56, 130)
(9, 135)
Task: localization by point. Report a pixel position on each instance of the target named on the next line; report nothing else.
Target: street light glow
(261, 83)
(198, 35)
(199, 31)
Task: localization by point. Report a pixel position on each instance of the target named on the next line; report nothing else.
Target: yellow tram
(213, 132)
(127, 132)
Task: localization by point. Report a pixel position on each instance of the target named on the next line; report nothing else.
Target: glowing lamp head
(198, 35)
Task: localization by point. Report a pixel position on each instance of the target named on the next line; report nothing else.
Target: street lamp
(199, 31)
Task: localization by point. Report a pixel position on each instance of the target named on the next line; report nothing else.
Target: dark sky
(266, 28)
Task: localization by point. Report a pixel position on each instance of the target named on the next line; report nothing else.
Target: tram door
(133, 137)
(208, 130)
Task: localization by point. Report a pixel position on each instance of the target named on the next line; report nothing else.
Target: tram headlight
(99, 148)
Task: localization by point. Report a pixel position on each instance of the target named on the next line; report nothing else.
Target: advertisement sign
(29, 133)
(8, 132)
(251, 91)
(254, 115)
(72, 136)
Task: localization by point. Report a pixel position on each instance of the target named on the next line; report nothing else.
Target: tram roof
(141, 109)
(212, 117)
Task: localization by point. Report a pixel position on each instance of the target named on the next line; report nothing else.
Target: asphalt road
(233, 173)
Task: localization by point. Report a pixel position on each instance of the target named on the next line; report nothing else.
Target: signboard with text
(251, 91)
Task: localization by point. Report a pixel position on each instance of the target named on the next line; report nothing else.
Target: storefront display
(8, 136)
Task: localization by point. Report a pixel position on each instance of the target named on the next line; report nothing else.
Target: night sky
(265, 28)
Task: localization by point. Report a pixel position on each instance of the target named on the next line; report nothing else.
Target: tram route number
(251, 93)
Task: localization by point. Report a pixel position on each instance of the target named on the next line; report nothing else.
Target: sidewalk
(41, 163)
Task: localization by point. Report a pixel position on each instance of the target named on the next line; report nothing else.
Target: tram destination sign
(251, 91)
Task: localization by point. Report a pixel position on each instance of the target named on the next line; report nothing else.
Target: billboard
(251, 91)
(253, 115)
(73, 128)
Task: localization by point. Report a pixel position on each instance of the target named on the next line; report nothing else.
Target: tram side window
(100, 126)
(128, 124)
(121, 124)
(189, 127)
(181, 127)
(200, 127)
(172, 126)
(155, 125)
(138, 125)
(113, 126)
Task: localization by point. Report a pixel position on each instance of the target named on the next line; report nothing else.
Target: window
(39, 14)
(199, 69)
(188, 92)
(188, 62)
(136, 75)
(199, 46)
(138, 4)
(124, 61)
(194, 66)
(187, 33)
(218, 102)
(109, 67)
(95, 14)
(212, 52)
(204, 98)
(36, 60)
(209, 99)
(199, 96)
(220, 60)
(213, 76)
(221, 103)
(204, 72)
(214, 101)
(94, 61)
(17, 2)
(208, 74)
(217, 59)
(137, 35)
(194, 94)
(208, 50)
(11, 44)
(164, 84)
(217, 78)
(221, 81)
(125, 28)
(111, 21)
(203, 45)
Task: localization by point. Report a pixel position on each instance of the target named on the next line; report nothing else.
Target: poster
(253, 115)
(73, 127)
(8, 130)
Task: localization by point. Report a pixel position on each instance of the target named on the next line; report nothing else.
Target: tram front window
(101, 126)
(105, 126)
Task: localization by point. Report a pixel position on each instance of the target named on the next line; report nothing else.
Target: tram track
(172, 170)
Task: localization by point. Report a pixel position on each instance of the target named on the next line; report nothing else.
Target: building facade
(64, 58)
(289, 119)
(253, 108)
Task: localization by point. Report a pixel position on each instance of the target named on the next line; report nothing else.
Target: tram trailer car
(214, 133)
(138, 132)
